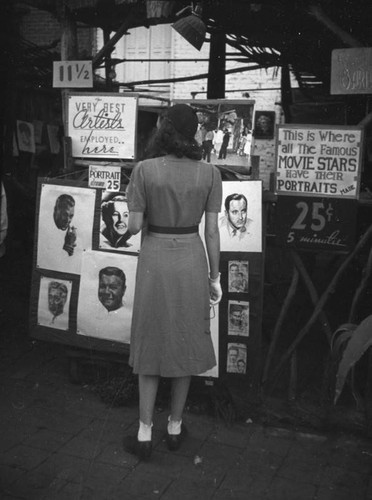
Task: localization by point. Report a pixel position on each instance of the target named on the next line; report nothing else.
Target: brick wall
(42, 28)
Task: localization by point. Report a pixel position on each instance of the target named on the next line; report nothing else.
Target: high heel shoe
(174, 440)
(142, 449)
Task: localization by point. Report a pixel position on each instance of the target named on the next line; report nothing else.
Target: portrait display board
(241, 267)
(102, 125)
(318, 160)
(316, 223)
(72, 302)
(224, 131)
(84, 269)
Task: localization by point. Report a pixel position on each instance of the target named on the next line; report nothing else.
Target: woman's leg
(179, 391)
(148, 388)
(141, 445)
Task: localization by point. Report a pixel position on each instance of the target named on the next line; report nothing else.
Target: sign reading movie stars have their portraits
(318, 160)
(102, 125)
(317, 182)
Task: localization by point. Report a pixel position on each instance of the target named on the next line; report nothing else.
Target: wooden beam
(217, 66)
(110, 45)
(69, 45)
(286, 92)
(319, 14)
(189, 78)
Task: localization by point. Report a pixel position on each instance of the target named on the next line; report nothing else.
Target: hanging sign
(316, 223)
(102, 125)
(104, 177)
(351, 71)
(72, 74)
(318, 160)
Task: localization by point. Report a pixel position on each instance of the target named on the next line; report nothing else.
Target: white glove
(215, 290)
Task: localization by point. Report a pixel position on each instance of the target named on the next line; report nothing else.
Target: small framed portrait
(113, 229)
(106, 295)
(236, 361)
(238, 276)
(238, 318)
(26, 136)
(264, 124)
(54, 303)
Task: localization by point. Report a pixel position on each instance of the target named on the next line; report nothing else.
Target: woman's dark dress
(170, 333)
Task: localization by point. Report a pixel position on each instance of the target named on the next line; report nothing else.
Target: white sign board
(102, 125)
(72, 74)
(104, 177)
(316, 160)
(351, 71)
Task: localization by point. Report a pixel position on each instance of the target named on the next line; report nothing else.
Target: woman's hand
(215, 290)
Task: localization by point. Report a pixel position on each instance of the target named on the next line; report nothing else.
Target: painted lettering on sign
(314, 223)
(105, 177)
(318, 161)
(102, 126)
(351, 71)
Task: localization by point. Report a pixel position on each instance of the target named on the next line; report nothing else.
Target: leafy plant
(355, 340)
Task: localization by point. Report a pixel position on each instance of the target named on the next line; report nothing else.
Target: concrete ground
(59, 440)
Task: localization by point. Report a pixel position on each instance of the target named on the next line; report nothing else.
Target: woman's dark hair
(166, 140)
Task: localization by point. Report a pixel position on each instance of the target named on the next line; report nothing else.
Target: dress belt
(173, 230)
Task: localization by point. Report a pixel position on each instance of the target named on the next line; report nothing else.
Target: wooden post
(286, 92)
(217, 67)
(69, 46)
(106, 39)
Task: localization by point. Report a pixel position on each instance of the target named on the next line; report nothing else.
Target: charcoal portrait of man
(105, 298)
(111, 288)
(64, 210)
(57, 296)
(54, 303)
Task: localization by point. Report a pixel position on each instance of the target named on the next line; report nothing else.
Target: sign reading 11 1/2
(72, 74)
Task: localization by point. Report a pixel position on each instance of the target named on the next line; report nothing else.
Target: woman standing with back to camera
(170, 334)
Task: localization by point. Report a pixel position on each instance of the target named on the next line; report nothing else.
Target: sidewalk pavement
(59, 441)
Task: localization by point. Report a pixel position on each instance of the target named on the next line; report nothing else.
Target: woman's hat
(183, 119)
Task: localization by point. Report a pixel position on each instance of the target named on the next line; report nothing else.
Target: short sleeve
(214, 200)
(136, 193)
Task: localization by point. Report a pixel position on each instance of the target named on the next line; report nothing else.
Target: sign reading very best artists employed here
(318, 160)
(102, 125)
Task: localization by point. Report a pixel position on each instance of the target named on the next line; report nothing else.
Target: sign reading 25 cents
(316, 223)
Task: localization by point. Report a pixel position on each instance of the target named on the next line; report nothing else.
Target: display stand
(66, 302)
